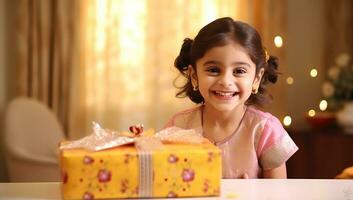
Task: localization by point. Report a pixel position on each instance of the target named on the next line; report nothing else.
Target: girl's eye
(239, 71)
(213, 70)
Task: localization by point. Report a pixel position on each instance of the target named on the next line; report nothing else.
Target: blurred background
(111, 61)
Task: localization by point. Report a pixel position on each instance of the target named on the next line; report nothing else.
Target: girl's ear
(193, 76)
(257, 80)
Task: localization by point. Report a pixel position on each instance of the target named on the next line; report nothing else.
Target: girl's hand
(244, 176)
(279, 172)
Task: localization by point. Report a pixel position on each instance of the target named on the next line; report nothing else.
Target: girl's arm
(279, 172)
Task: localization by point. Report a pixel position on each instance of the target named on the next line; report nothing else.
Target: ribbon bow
(104, 138)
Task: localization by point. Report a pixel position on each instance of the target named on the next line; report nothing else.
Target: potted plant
(338, 90)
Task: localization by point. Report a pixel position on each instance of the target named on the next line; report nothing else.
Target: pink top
(260, 142)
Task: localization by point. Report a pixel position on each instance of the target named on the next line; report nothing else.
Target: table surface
(237, 189)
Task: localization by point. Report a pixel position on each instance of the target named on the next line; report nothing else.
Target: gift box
(175, 167)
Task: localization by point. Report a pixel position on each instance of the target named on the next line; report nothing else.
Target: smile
(225, 94)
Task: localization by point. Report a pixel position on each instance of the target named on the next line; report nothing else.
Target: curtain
(127, 50)
(112, 61)
(45, 52)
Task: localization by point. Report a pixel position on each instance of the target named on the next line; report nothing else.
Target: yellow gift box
(176, 170)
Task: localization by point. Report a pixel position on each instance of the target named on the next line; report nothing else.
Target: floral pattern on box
(179, 170)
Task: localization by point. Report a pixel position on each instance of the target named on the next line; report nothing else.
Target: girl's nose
(226, 80)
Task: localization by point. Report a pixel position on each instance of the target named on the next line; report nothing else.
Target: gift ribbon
(145, 146)
(145, 174)
(145, 143)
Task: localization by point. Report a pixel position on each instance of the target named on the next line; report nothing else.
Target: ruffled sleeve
(275, 146)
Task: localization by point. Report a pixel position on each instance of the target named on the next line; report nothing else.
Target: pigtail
(182, 63)
(183, 60)
(271, 72)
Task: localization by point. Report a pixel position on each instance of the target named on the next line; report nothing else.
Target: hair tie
(267, 56)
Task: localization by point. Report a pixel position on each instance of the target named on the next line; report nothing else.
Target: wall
(2, 53)
(2, 84)
(305, 44)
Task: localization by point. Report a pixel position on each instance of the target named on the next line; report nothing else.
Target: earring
(254, 91)
(195, 88)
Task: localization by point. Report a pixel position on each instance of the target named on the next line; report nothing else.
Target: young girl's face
(226, 77)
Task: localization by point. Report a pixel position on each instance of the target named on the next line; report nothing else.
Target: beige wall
(2, 53)
(2, 83)
(305, 44)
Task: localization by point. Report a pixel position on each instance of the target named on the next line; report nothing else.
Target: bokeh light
(278, 41)
(313, 72)
(290, 80)
(323, 105)
(287, 120)
(311, 113)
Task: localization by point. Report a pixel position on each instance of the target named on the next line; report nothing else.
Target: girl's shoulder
(258, 115)
(188, 111)
(189, 118)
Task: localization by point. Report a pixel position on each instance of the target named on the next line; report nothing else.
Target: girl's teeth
(224, 93)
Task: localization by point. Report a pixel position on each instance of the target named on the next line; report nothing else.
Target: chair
(32, 135)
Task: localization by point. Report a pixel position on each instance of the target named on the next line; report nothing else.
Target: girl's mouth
(225, 94)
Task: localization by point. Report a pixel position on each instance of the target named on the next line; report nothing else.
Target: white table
(238, 189)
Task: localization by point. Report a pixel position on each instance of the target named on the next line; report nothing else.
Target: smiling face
(226, 77)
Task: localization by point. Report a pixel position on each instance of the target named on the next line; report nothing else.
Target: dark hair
(219, 33)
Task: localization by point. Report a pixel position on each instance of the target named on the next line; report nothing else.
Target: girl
(227, 69)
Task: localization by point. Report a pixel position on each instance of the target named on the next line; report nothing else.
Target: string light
(290, 80)
(311, 113)
(323, 105)
(287, 120)
(313, 72)
(278, 41)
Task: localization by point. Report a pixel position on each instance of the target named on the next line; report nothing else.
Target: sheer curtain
(127, 50)
(44, 52)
